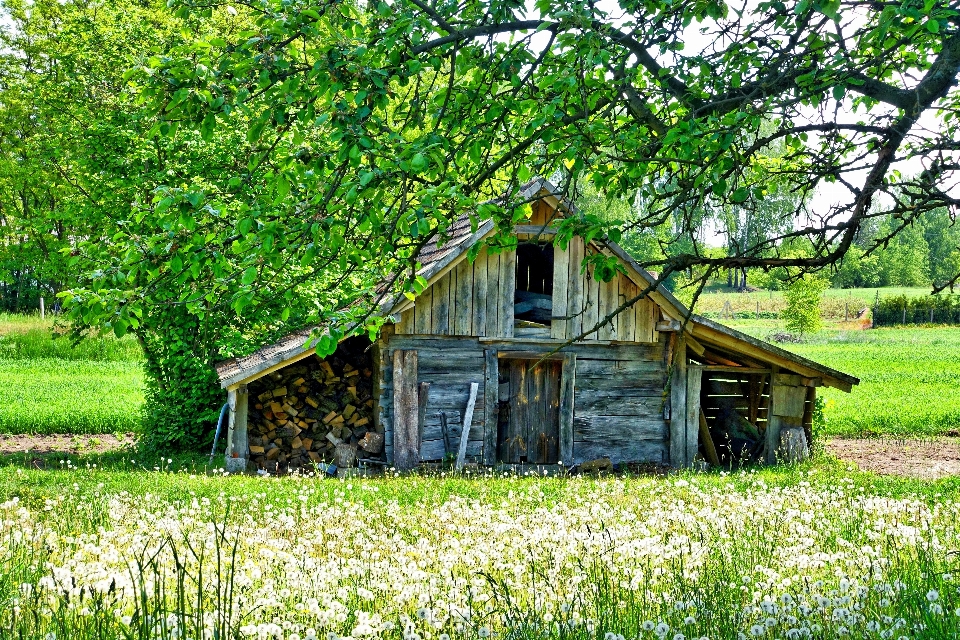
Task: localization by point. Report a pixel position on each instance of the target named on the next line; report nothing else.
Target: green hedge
(900, 310)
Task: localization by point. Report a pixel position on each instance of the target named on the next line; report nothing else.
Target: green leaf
(740, 195)
(419, 163)
(839, 91)
(283, 188)
(120, 327)
(933, 26)
(249, 275)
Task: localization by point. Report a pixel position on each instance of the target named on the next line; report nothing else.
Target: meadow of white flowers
(617, 559)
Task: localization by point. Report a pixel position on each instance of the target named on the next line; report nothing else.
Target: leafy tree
(285, 155)
(904, 260)
(802, 314)
(857, 269)
(943, 240)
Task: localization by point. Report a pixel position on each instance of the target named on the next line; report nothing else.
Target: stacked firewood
(303, 415)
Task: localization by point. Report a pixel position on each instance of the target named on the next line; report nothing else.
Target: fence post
(43, 312)
(758, 309)
(904, 315)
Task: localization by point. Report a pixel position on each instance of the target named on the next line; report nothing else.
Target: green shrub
(931, 309)
(802, 314)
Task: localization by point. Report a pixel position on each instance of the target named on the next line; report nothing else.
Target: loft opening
(533, 298)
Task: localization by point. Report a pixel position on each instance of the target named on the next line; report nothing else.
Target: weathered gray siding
(618, 399)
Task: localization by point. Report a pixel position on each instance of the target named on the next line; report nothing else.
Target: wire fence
(900, 310)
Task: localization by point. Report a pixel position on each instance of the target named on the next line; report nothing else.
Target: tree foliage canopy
(287, 155)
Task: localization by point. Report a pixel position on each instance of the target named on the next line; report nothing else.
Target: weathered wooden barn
(481, 347)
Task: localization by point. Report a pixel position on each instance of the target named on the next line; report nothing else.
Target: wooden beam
(678, 406)
(530, 355)
(465, 431)
(692, 410)
(568, 385)
(491, 404)
(668, 326)
(726, 369)
(423, 398)
(237, 440)
(709, 447)
(694, 346)
(406, 448)
(772, 434)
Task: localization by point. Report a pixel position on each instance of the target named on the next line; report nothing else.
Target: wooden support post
(491, 404)
(467, 422)
(808, 408)
(238, 449)
(772, 433)
(692, 418)
(423, 397)
(406, 445)
(708, 447)
(568, 385)
(43, 311)
(678, 406)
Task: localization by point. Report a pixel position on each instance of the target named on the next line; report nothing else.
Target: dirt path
(916, 458)
(98, 443)
(928, 458)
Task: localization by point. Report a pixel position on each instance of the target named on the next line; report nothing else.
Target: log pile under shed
(314, 412)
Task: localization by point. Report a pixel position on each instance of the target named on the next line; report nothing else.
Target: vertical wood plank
(568, 385)
(644, 319)
(406, 448)
(607, 297)
(423, 313)
(480, 295)
(508, 284)
(626, 329)
(463, 310)
(575, 301)
(810, 404)
(405, 324)
(772, 433)
(441, 306)
(493, 294)
(591, 303)
(561, 269)
(678, 406)
(537, 399)
(467, 423)
(491, 404)
(694, 377)
(515, 442)
(423, 399)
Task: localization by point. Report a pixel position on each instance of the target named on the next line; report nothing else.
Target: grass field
(836, 302)
(812, 551)
(48, 385)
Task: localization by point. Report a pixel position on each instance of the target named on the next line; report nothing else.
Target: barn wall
(471, 299)
(476, 299)
(580, 301)
(618, 398)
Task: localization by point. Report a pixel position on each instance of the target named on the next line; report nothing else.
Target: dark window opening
(533, 298)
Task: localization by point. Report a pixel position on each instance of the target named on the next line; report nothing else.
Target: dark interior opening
(533, 298)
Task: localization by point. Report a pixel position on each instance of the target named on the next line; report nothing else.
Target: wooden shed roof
(436, 257)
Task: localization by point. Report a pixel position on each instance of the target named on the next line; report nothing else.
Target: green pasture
(50, 385)
(836, 302)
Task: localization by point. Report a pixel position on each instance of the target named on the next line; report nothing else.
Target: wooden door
(529, 429)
